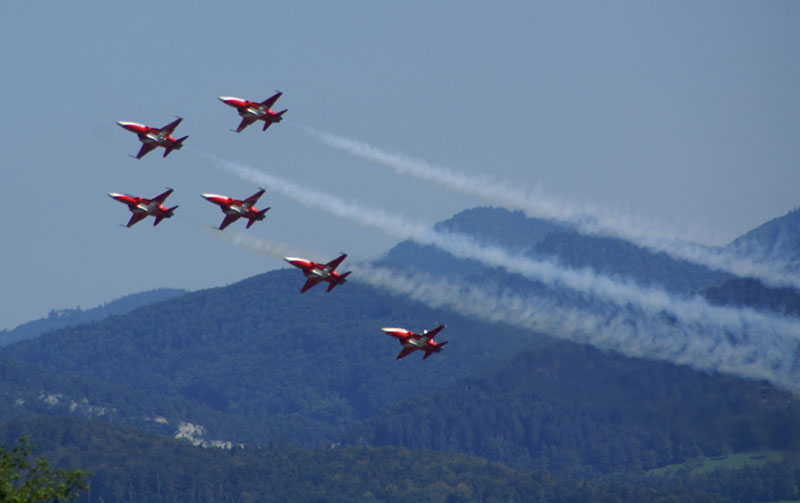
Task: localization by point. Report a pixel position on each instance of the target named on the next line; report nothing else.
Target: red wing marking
(136, 217)
(333, 264)
(405, 352)
(229, 219)
(245, 122)
(162, 197)
(311, 282)
(169, 128)
(146, 147)
(432, 333)
(252, 200)
(269, 102)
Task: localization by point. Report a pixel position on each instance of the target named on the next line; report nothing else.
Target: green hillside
(128, 465)
(577, 410)
(283, 365)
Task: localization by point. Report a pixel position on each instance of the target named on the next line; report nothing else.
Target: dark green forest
(580, 411)
(128, 465)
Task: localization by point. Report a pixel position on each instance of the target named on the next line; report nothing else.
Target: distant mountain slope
(287, 365)
(27, 390)
(574, 409)
(754, 294)
(128, 465)
(610, 256)
(70, 317)
(777, 240)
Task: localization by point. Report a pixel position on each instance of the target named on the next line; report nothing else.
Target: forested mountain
(542, 239)
(28, 390)
(258, 363)
(71, 317)
(578, 410)
(748, 292)
(128, 465)
(777, 240)
(291, 366)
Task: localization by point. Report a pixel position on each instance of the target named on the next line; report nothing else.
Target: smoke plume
(583, 217)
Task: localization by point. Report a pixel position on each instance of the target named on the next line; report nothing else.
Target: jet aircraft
(317, 273)
(154, 137)
(142, 208)
(415, 342)
(252, 111)
(235, 209)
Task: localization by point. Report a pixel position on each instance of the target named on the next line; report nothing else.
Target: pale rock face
(193, 434)
(52, 399)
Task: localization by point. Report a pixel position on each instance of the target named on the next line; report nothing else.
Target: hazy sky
(683, 113)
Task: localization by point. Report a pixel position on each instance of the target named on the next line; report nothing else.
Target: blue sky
(682, 113)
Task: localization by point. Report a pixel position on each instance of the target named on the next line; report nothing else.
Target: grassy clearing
(729, 462)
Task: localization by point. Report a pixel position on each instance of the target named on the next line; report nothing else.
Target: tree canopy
(26, 480)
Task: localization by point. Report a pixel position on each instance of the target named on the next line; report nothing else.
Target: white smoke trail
(585, 218)
(702, 345)
(654, 301)
(756, 347)
(263, 247)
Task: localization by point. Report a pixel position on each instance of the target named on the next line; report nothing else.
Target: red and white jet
(142, 208)
(235, 209)
(252, 111)
(415, 342)
(154, 137)
(317, 273)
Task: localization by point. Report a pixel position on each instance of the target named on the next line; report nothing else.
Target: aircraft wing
(245, 122)
(162, 197)
(229, 219)
(269, 102)
(136, 217)
(146, 147)
(405, 352)
(430, 334)
(169, 128)
(252, 200)
(333, 264)
(311, 282)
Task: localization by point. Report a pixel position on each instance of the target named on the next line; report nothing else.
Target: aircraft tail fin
(277, 118)
(175, 146)
(340, 281)
(258, 217)
(166, 214)
(438, 348)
